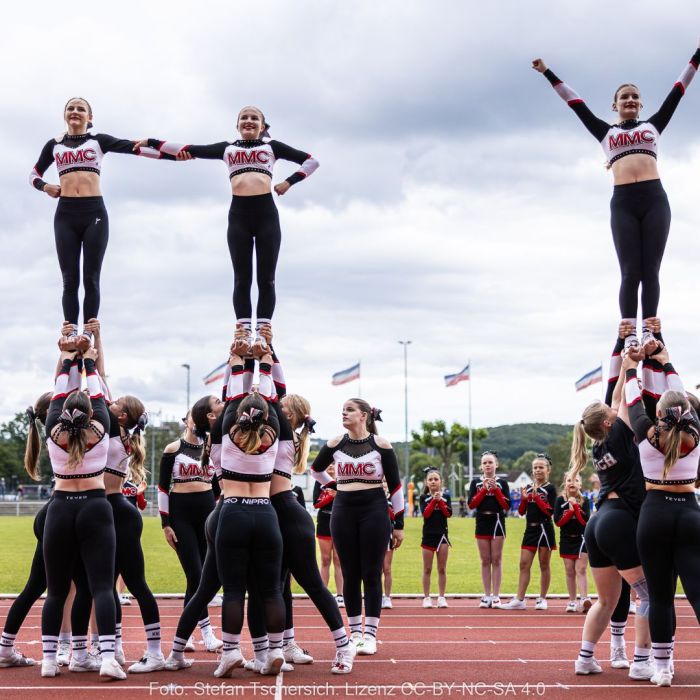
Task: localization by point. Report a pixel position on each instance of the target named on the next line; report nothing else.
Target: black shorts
(433, 541)
(489, 526)
(538, 535)
(323, 525)
(611, 536)
(571, 546)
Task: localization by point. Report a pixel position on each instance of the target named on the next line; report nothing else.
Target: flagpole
(471, 454)
(359, 380)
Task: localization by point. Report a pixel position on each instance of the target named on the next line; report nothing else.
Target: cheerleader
(537, 505)
(253, 220)
(81, 224)
(571, 513)
(184, 509)
(360, 523)
(436, 509)
(640, 215)
(490, 497)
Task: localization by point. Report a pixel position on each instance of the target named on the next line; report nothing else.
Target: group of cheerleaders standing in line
(648, 537)
(225, 495)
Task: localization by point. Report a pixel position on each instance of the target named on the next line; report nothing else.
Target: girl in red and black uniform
(360, 524)
(490, 496)
(79, 520)
(323, 501)
(81, 224)
(253, 221)
(640, 213)
(571, 513)
(537, 505)
(184, 510)
(436, 509)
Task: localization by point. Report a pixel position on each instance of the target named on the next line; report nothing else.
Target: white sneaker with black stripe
(369, 645)
(618, 658)
(344, 658)
(15, 659)
(148, 663)
(294, 654)
(586, 667)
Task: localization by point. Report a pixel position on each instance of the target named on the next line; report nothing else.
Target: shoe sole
(588, 673)
(274, 668)
(147, 670)
(619, 665)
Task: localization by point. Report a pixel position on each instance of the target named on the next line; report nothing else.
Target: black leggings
(188, 515)
(611, 537)
(248, 541)
(668, 538)
(622, 609)
(129, 562)
(36, 583)
(640, 217)
(299, 560)
(209, 582)
(79, 525)
(254, 222)
(81, 224)
(361, 528)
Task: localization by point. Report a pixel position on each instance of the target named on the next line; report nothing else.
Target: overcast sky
(459, 203)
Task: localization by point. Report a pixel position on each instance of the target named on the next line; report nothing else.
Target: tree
(13, 440)
(560, 453)
(449, 445)
(524, 462)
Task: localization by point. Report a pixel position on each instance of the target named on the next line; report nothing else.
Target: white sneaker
(427, 602)
(369, 645)
(344, 659)
(633, 608)
(495, 601)
(88, 663)
(618, 658)
(662, 679)
(190, 644)
(294, 654)
(441, 602)
(357, 640)
(514, 604)
(273, 665)
(230, 660)
(571, 607)
(175, 663)
(585, 668)
(210, 640)
(63, 654)
(147, 663)
(49, 669)
(340, 600)
(485, 602)
(648, 340)
(16, 658)
(217, 601)
(541, 604)
(254, 665)
(110, 668)
(119, 656)
(124, 599)
(641, 670)
(386, 602)
(631, 341)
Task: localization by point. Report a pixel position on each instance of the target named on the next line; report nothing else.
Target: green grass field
(165, 576)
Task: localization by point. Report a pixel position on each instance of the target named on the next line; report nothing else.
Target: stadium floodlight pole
(187, 367)
(405, 344)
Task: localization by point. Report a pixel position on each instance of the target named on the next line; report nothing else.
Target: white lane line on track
(456, 661)
(278, 686)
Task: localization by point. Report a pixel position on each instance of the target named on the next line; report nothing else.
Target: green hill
(510, 441)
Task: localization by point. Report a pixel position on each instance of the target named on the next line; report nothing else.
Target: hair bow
(376, 414)
(31, 414)
(309, 424)
(141, 424)
(74, 421)
(427, 470)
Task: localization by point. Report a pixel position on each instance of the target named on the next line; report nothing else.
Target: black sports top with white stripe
(630, 136)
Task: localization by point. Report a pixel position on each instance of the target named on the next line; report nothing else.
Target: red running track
(460, 652)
